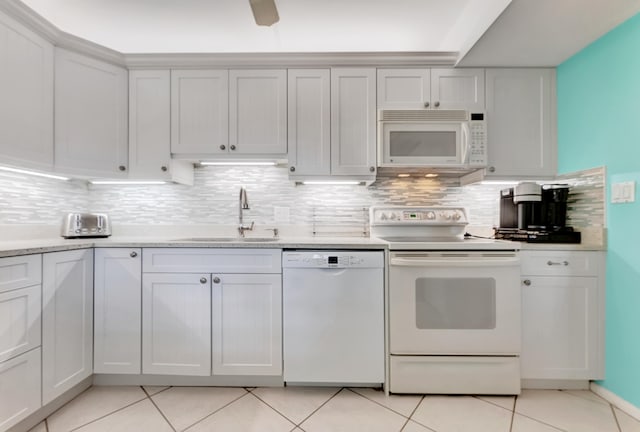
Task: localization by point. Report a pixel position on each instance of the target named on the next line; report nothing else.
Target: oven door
(454, 303)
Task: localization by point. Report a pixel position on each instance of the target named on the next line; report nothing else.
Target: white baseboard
(616, 400)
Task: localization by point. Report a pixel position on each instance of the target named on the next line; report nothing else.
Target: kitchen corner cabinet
(199, 112)
(459, 89)
(117, 310)
(247, 324)
(176, 326)
(26, 104)
(258, 112)
(353, 121)
(90, 116)
(150, 129)
(67, 320)
(563, 315)
(521, 123)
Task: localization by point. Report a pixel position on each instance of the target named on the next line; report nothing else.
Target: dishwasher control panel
(332, 259)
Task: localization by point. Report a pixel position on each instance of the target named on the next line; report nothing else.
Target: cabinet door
(19, 321)
(67, 320)
(150, 129)
(353, 121)
(258, 112)
(560, 336)
(521, 122)
(90, 116)
(20, 388)
(247, 324)
(176, 324)
(26, 104)
(404, 88)
(309, 122)
(199, 112)
(117, 311)
(459, 89)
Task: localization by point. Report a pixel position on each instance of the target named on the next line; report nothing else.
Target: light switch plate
(623, 192)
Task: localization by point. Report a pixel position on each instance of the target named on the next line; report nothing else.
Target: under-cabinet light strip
(127, 182)
(332, 182)
(246, 163)
(34, 173)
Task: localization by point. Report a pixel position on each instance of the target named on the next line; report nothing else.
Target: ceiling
(484, 32)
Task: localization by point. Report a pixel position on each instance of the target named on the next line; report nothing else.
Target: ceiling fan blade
(264, 12)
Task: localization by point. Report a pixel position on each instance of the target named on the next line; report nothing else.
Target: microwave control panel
(478, 140)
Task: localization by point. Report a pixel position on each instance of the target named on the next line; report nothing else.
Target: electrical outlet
(623, 192)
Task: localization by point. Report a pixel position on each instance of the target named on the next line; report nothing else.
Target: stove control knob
(456, 216)
(447, 216)
(383, 216)
(431, 215)
(393, 216)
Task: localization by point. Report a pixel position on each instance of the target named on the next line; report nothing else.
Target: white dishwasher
(333, 316)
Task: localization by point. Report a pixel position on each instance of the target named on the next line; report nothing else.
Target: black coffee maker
(553, 209)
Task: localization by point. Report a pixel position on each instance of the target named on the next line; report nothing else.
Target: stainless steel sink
(227, 239)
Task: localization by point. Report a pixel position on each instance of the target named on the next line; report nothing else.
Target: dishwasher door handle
(451, 262)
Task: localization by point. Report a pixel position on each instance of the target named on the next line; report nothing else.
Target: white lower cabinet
(19, 321)
(247, 324)
(19, 388)
(562, 315)
(67, 320)
(117, 310)
(176, 324)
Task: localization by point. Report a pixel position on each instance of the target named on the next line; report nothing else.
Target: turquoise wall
(599, 124)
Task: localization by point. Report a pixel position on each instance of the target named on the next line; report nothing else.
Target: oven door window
(455, 303)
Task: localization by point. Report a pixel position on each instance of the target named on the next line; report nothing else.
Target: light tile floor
(321, 409)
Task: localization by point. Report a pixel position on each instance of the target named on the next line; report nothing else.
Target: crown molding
(35, 22)
(294, 59)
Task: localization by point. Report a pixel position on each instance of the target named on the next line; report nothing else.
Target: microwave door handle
(466, 143)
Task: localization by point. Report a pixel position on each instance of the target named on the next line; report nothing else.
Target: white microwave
(432, 138)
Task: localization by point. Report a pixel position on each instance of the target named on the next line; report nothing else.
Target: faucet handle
(275, 231)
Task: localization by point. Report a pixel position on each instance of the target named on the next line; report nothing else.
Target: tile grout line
(416, 409)
(494, 404)
(604, 402)
(278, 412)
(316, 410)
(218, 410)
(615, 417)
(157, 407)
(513, 412)
(384, 406)
(107, 415)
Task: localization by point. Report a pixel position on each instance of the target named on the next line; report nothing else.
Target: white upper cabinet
(458, 89)
(353, 121)
(521, 122)
(431, 89)
(150, 129)
(199, 112)
(26, 101)
(404, 88)
(258, 112)
(90, 116)
(309, 122)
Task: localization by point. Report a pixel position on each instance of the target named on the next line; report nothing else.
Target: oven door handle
(448, 262)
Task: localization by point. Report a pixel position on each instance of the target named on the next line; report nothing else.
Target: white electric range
(454, 304)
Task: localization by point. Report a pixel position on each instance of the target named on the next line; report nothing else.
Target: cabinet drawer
(198, 260)
(19, 321)
(19, 272)
(561, 263)
(22, 376)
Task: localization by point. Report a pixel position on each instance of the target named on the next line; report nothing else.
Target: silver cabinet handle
(232, 147)
(426, 104)
(552, 263)
(216, 279)
(133, 254)
(492, 169)
(203, 280)
(122, 168)
(437, 104)
(372, 169)
(527, 282)
(223, 147)
(292, 169)
(163, 168)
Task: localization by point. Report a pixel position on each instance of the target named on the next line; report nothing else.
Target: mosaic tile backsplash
(214, 199)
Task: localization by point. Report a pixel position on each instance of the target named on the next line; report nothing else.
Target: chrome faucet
(243, 204)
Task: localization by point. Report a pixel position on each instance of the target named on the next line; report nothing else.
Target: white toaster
(85, 225)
